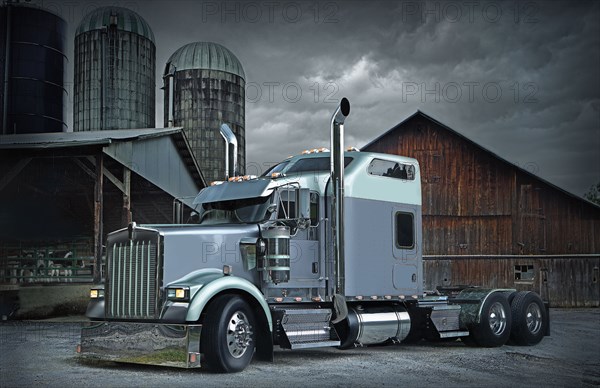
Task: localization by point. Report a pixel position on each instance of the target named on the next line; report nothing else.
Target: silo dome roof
(127, 20)
(205, 55)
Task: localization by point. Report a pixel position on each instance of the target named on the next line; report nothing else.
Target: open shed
(63, 192)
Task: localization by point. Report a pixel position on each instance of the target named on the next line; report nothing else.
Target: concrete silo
(115, 63)
(32, 65)
(204, 88)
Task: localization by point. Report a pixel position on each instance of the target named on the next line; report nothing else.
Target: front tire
(495, 323)
(529, 319)
(228, 339)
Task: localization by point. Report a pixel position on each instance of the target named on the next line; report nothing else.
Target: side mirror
(303, 204)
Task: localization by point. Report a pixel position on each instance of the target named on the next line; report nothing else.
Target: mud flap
(340, 308)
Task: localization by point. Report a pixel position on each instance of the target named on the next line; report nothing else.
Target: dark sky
(521, 78)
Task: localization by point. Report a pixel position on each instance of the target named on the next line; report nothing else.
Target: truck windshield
(240, 211)
(276, 168)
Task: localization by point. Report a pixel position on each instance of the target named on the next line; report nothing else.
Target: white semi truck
(325, 249)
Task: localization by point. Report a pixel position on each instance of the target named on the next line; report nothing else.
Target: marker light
(242, 178)
(315, 151)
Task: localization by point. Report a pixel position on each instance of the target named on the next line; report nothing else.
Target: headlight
(178, 293)
(96, 293)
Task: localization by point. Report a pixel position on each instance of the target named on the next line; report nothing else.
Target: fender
(220, 283)
(473, 300)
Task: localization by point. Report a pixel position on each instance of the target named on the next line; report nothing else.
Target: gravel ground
(42, 353)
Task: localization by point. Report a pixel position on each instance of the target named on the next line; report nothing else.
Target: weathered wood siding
(475, 203)
(563, 281)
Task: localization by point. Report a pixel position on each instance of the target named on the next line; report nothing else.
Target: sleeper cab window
(391, 169)
(405, 230)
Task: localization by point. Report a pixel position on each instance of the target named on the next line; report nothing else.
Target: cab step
(304, 328)
(454, 334)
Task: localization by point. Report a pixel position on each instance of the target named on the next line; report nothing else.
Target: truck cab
(324, 249)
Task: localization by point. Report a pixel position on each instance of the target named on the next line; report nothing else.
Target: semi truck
(323, 250)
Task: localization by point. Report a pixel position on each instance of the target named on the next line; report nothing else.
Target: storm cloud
(521, 78)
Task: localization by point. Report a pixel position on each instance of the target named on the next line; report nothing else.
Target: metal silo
(115, 62)
(204, 87)
(32, 64)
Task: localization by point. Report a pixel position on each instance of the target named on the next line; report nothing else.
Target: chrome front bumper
(142, 343)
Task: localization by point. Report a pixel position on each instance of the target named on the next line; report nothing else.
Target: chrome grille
(132, 269)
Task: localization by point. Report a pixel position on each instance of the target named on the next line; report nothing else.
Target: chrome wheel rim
(239, 334)
(533, 317)
(497, 318)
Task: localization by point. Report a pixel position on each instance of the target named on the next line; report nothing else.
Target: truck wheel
(529, 319)
(494, 325)
(227, 336)
(510, 296)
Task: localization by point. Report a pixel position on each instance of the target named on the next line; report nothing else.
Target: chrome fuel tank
(368, 325)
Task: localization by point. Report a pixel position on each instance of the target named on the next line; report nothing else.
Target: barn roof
(78, 139)
(399, 127)
(162, 156)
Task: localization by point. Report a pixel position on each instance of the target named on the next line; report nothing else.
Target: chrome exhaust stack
(337, 180)
(230, 139)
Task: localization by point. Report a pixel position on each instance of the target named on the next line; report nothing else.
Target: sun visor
(229, 191)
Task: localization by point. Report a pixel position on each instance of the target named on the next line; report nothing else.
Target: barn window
(524, 272)
(391, 169)
(405, 230)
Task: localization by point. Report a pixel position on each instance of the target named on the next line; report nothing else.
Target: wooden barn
(489, 222)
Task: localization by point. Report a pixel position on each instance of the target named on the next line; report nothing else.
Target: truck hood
(188, 248)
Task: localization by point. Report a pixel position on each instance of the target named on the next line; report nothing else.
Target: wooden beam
(84, 168)
(159, 210)
(17, 168)
(110, 176)
(126, 213)
(98, 210)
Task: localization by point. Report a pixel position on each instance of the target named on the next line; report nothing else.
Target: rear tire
(529, 319)
(494, 326)
(510, 296)
(228, 340)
